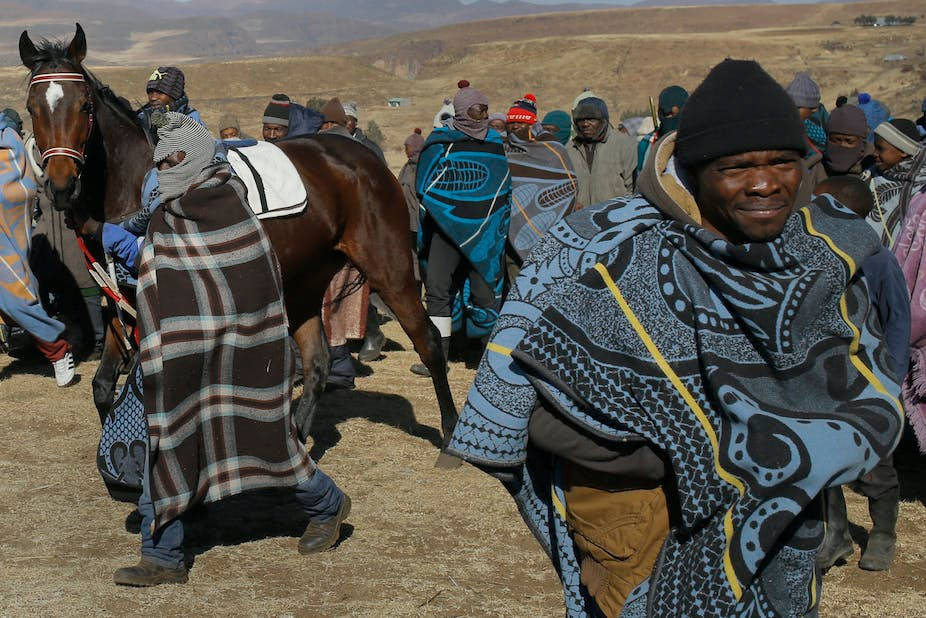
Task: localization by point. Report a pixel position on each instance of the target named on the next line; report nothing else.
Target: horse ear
(77, 50)
(27, 51)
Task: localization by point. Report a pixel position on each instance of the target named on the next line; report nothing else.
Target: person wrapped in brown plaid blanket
(216, 360)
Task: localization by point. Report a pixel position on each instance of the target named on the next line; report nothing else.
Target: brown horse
(96, 153)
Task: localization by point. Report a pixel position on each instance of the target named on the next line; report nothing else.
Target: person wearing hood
(466, 217)
(669, 108)
(559, 124)
(166, 90)
(217, 426)
(847, 149)
(898, 173)
(353, 115)
(543, 182)
(677, 375)
(604, 159)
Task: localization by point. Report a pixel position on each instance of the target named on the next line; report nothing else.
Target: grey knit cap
(804, 91)
(178, 132)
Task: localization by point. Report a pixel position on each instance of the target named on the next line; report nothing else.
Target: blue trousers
(319, 496)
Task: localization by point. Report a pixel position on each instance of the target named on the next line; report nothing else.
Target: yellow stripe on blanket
(844, 310)
(689, 399)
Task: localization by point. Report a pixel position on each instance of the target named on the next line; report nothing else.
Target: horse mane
(56, 53)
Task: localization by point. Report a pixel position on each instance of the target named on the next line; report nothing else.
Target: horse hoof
(446, 461)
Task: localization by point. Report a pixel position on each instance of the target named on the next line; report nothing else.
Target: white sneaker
(64, 370)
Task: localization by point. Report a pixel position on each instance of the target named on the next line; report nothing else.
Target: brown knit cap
(333, 111)
(229, 122)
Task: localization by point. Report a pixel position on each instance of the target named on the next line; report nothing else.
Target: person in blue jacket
(166, 93)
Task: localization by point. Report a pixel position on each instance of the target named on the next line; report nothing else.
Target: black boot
(149, 573)
(342, 373)
(421, 370)
(374, 339)
(879, 553)
(321, 536)
(837, 545)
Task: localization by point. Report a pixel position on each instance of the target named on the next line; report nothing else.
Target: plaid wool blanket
(216, 359)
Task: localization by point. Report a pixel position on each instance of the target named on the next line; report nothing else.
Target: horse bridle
(62, 151)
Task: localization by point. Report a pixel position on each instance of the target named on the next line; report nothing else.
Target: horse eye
(87, 107)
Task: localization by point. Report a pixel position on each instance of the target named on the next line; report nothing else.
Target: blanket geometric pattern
(465, 190)
(758, 369)
(543, 190)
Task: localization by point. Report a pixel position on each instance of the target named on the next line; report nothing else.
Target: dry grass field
(421, 542)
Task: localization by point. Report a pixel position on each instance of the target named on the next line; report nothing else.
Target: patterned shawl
(893, 190)
(215, 352)
(19, 291)
(910, 250)
(543, 190)
(465, 188)
(757, 369)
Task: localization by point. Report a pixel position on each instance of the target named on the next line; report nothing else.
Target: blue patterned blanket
(758, 369)
(465, 190)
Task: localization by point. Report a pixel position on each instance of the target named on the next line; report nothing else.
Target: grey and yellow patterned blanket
(757, 369)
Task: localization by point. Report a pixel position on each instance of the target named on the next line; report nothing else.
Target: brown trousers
(618, 534)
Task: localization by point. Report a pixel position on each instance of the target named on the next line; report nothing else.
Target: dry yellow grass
(424, 542)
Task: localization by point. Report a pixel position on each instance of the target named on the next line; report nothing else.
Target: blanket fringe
(915, 406)
(917, 375)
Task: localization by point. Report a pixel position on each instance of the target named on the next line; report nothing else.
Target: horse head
(61, 106)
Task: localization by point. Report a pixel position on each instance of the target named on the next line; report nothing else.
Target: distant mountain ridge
(125, 31)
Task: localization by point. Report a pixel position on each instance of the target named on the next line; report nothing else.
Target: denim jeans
(318, 496)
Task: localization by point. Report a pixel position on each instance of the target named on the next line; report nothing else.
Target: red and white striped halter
(62, 151)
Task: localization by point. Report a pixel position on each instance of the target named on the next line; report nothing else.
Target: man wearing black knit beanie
(166, 91)
(677, 375)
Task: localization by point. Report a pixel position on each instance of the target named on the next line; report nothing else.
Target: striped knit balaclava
(178, 132)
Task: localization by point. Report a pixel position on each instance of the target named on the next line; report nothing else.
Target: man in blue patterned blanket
(465, 191)
(677, 375)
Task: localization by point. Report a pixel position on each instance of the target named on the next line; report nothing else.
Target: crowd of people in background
(581, 221)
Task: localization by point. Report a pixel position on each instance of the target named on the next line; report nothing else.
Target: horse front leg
(107, 374)
(310, 338)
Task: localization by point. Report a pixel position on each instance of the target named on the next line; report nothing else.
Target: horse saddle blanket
(124, 439)
(275, 188)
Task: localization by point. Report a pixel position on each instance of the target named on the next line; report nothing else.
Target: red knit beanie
(523, 110)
